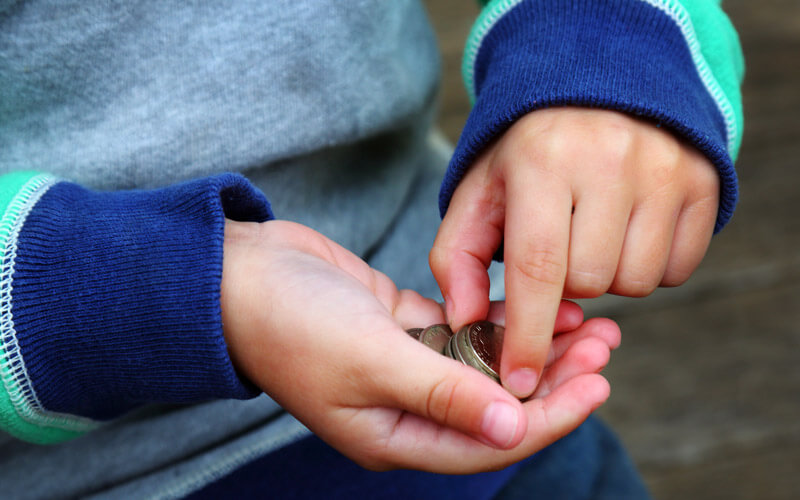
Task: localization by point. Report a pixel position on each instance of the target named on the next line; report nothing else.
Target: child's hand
(585, 202)
(323, 334)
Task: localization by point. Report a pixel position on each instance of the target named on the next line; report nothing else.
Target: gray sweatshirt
(324, 105)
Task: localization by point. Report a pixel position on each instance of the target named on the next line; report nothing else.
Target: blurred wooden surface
(706, 385)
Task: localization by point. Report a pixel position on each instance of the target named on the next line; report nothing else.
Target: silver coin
(448, 350)
(460, 348)
(414, 332)
(436, 337)
(454, 350)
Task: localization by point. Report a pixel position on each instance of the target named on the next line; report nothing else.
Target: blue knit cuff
(623, 55)
(116, 298)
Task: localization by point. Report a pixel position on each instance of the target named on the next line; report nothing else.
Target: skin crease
(323, 334)
(586, 202)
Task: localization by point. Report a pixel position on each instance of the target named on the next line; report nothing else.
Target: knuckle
(438, 257)
(668, 152)
(441, 399)
(540, 266)
(541, 144)
(679, 271)
(707, 183)
(636, 284)
(703, 209)
(588, 283)
(554, 144)
(614, 144)
(675, 277)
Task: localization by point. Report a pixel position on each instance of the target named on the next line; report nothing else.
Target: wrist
(239, 237)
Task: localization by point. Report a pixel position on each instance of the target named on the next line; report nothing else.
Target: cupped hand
(323, 334)
(585, 201)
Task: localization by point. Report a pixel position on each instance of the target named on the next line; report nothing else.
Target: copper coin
(466, 353)
(486, 341)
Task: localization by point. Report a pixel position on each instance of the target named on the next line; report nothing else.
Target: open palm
(323, 334)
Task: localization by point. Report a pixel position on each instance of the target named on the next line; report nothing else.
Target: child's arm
(119, 299)
(587, 200)
(111, 300)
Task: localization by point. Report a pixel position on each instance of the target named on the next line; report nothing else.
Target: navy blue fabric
(116, 295)
(622, 55)
(310, 469)
(589, 463)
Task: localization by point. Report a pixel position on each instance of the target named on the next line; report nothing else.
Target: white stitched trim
(489, 17)
(15, 377)
(672, 8)
(680, 15)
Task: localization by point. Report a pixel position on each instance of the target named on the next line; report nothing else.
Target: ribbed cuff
(623, 55)
(116, 296)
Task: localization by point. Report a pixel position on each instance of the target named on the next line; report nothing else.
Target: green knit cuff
(21, 414)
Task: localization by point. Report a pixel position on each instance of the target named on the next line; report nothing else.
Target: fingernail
(521, 382)
(499, 425)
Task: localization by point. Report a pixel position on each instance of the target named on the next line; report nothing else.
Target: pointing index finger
(539, 209)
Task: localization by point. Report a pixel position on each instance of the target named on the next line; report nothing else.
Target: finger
(419, 444)
(412, 310)
(468, 236)
(536, 249)
(695, 225)
(569, 317)
(645, 251)
(693, 233)
(600, 328)
(596, 237)
(588, 355)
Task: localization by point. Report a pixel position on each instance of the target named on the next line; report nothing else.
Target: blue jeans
(589, 463)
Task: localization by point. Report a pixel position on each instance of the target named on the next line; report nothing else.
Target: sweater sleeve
(677, 63)
(110, 300)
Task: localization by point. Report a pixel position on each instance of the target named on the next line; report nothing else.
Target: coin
(453, 350)
(486, 342)
(448, 351)
(464, 351)
(478, 344)
(414, 332)
(436, 337)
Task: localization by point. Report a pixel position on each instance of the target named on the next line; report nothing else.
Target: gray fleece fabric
(325, 105)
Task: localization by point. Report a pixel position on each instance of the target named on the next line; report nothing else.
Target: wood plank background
(706, 385)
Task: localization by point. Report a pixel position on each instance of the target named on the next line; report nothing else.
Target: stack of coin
(477, 344)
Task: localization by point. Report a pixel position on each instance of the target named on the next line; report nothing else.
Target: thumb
(441, 390)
